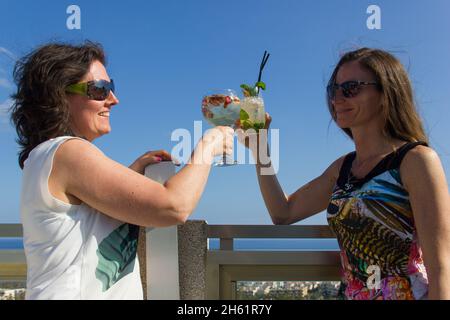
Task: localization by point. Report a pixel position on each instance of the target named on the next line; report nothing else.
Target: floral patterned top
(374, 225)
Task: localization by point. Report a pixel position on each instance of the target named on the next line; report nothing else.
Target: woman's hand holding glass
(244, 137)
(215, 142)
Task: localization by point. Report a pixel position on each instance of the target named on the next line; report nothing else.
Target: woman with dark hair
(388, 201)
(81, 210)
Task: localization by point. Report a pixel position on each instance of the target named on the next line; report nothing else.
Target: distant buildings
(12, 294)
(12, 289)
(248, 290)
(288, 290)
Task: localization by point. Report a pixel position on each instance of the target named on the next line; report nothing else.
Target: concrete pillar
(142, 259)
(192, 252)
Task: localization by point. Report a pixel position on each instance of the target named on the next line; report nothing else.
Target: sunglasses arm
(79, 88)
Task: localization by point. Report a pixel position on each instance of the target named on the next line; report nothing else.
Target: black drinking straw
(262, 65)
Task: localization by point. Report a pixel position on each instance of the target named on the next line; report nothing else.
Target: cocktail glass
(222, 108)
(252, 114)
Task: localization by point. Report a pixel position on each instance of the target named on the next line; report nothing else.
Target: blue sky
(164, 55)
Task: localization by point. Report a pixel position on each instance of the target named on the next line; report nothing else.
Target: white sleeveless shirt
(73, 251)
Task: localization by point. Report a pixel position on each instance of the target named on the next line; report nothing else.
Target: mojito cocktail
(252, 115)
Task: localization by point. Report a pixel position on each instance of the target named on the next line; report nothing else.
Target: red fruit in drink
(227, 101)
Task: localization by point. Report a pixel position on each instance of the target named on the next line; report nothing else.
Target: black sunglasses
(350, 89)
(95, 90)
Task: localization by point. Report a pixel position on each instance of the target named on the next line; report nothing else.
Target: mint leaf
(258, 126)
(243, 115)
(249, 91)
(246, 87)
(261, 85)
(246, 124)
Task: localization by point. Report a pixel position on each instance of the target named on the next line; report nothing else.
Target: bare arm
(424, 179)
(308, 200)
(117, 191)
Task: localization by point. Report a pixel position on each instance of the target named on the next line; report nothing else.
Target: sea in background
(280, 244)
(11, 244)
(239, 244)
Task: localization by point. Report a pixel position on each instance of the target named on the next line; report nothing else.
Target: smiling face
(362, 109)
(90, 118)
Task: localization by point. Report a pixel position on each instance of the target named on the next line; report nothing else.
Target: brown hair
(40, 108)
(398, 108)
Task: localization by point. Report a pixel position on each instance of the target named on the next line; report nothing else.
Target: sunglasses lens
(99, 90)
(350, 89)
(111, 86)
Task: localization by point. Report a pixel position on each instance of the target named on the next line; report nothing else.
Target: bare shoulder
(75, 150)
(72, 158)
(420, 163)
(70, 153)
(420, 157)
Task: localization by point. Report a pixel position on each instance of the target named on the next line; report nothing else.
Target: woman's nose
(339, 94)
(338, 97)
(112, 99)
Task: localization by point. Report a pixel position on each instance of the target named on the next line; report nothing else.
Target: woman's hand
(215, 142)
(149, 158)
(252, 141)
(243, 138)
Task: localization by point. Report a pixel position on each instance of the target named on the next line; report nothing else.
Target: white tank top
(73, 251)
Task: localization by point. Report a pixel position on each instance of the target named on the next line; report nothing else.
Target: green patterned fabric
(117, 255)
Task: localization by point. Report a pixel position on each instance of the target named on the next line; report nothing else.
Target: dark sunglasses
(350, 89)
(95, 90)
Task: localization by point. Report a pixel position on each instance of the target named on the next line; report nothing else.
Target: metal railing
(225, 267)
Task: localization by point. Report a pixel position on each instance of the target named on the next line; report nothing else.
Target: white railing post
(162, 264)
(162, 248)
